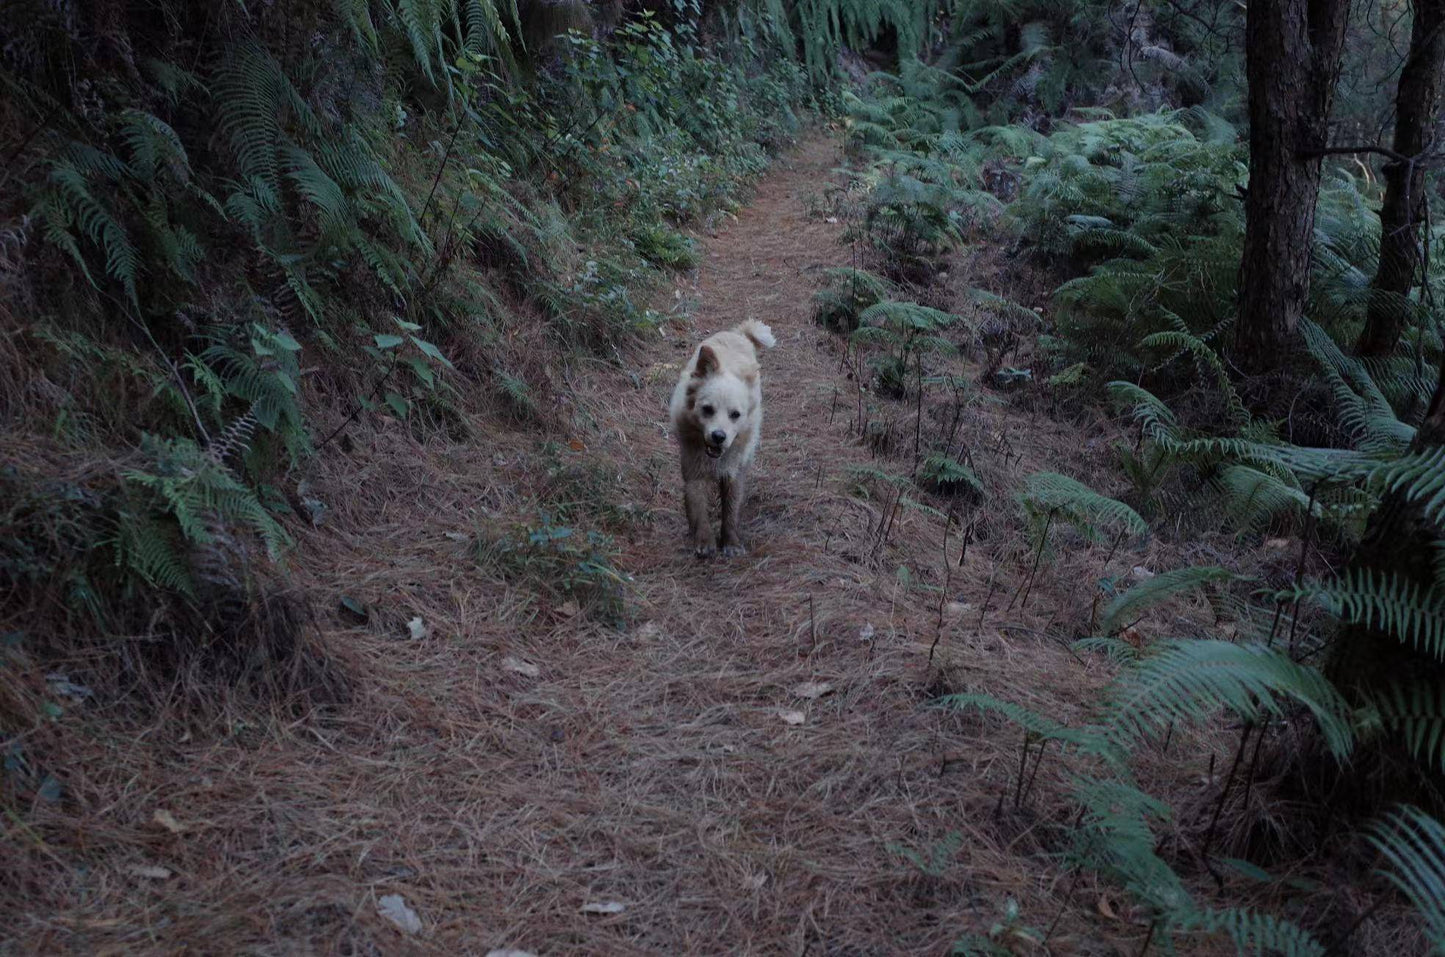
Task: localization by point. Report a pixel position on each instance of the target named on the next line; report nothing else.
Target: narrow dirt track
(658, 767)
(731, 829)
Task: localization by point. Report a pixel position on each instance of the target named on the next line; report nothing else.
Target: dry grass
(648, 764)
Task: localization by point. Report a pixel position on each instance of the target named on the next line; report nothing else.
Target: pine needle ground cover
(343, 593)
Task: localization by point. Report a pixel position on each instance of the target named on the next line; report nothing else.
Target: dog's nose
(718, 437)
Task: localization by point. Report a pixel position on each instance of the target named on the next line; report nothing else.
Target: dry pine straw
(652, 765)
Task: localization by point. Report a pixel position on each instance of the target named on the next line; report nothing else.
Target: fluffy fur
(717, 413)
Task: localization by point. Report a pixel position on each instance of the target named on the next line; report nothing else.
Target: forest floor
(751, 764)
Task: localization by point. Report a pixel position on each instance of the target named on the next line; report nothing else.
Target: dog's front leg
(695, 493)
(732, 506)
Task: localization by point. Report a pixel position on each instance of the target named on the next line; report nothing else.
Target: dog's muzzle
(716, 443)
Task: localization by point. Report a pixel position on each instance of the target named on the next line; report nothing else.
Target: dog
(717, 413)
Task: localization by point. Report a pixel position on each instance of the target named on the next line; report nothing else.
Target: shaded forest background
(229, 232)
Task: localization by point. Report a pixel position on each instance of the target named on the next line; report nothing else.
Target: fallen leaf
(168, 821)
(792, 717)
(812, 689)
(394, 909)
(649, 631)
(1107, 909)
(521, 667)
(568, 609)
(63, 686)
(609, 907)
(349, 604)
(457, 536)
(51, 789)
(150, 872)
(417, 627)
(577, 445)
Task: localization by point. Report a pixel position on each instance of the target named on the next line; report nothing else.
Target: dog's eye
(708, 410)
(735, 415)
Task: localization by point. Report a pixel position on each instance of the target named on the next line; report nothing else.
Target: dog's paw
(733, 551)
(705, 551)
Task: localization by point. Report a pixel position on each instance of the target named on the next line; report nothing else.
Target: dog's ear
(707, 363)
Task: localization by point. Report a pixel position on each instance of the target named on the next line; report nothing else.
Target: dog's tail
(758, 332)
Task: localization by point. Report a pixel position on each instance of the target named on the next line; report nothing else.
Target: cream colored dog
(717, 412)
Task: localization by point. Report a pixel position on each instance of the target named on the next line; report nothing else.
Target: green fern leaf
(1161, 587)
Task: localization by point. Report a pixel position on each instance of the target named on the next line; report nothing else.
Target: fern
(1040, 726)
(1418, 477)
(1413, 843)
(1414, 713)
(1254, 498)
(71, 202)
(1048, 493)
(947, 475)
(848, 294)
(154, 146)
(254, 98)
(1160, 588)
(1188, 681)
(1258, 934)
(1384, 601)
(1115, 836)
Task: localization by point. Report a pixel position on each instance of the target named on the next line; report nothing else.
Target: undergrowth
(225, 255)
(1134, 210)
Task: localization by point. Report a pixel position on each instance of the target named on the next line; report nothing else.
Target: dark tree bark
(1417, 110)
(1292, 54)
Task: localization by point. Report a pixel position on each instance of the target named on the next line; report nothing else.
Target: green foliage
(379, 197)
(840, 304)
(565, 563)
(1414, 845)
(947, 476)
(665, 247)
(182, 488)
(1413, 713)
(905, 332)
(1048, 497)
(1414, 615)
(1187, 681)
(1130, 604)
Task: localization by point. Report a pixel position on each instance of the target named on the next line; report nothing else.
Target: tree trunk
(1292, 53)
(1417, 109)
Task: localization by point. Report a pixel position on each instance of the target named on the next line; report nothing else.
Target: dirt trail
(730, 829)
(656, 767)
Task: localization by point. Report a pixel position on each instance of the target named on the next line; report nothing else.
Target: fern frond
(1079, 505)
(1414, 713)
(1189, 681)
(1160, 588)
(1256, 933)
(1040, 726)
(1413, 843)
(1419, 477)
(1385, 601)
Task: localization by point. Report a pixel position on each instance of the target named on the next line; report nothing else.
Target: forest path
(726, 826)
(750, 765)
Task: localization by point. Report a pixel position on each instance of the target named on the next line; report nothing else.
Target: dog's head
(719, 402)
